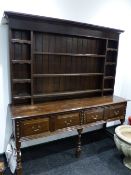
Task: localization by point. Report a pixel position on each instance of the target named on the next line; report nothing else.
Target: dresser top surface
(61, 106)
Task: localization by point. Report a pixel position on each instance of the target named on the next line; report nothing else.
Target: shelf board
(112, 49)
(110, 63)
(21, 61)
(67, 75)
(109, 77)
(21, 80)
(69, 54)
(66, 93)
(108, 89)
(20, 41)
(21, 96)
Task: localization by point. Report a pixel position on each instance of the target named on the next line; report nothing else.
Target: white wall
(5, 121)
(109, 13)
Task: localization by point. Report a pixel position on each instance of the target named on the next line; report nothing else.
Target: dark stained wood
(62, 106)
(104, 70)
(21, 61)
(18, 145)
(20, 41)
(68, 75)
(62, 77)
(108, 89)
(21, 80)
(34, 126)
(110, 63)
(60, 63)
(23, 96)
(45, 24)
(94, 114)
(109, 77)
(60, 131)
(122, 121)
(115, 111)
(35, 121)
(111, 49)
(70, 54)
(67, 120)
(32, 60)
(67, 93)
(111, 56)
(78, 149)
(113, 44)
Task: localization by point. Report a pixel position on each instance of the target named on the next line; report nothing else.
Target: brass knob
(94, 117)
(37, 128)
(68, 123)
(116, 112)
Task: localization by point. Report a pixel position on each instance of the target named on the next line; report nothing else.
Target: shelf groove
(67, 75)
(20, 41)
(109, 77)
(112, 49)
(110, 63)
(66, 93)
(108, 89)
(24, 96)
(21, 61)
(69, 54)
(21, 80)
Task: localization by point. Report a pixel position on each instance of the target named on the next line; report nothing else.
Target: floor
(99, 157)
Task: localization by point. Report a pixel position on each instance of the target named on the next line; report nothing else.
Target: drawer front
(115, 111)
(93, 115)
(34, 126)
(67, 120)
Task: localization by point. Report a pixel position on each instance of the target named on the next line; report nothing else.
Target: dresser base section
(39, 123)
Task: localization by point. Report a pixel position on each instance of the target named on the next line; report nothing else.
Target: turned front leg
(122, 121)
(78, 149)
(18, 151)
(18, 159)
(104, 126)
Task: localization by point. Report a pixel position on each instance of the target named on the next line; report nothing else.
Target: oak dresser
(62, 76)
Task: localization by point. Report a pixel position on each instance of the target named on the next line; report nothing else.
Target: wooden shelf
(67, 75)
(112, 49)
(66, 93)
(69, 54)
(21, 80)
(110, 63)
(20, 41)
(52, 63)
(108, 89)
(109, 77)
(21, 61)
(21, 96)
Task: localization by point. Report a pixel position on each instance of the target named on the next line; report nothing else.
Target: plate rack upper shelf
(54, 59)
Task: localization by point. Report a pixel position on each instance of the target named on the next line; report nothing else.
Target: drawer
(115, 111)
(93, 115)
(34, 126)
(67, 120)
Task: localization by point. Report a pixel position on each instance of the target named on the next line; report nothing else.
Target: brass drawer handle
(94, 117)
(35, 129)
(116, 112)
(68, 123)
